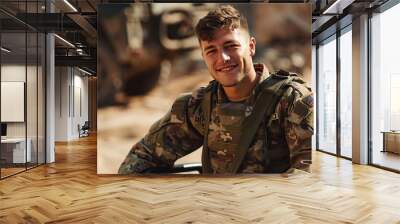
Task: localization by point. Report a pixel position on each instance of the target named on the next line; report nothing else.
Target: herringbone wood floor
(69, 191)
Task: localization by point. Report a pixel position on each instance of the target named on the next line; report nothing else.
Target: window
(326, 100)
(385, 88)
(346, 93)
(22, 75)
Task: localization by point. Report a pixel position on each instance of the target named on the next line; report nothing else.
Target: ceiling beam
(84, 24)
(82, 61)
(337, 7)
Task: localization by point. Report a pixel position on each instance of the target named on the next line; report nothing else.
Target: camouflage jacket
(182, 129)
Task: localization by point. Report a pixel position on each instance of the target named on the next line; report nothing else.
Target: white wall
(61, 103)
(13, 73)
(71, 102)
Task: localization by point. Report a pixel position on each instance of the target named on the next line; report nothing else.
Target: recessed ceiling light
(84, 71)
(70, 5)
(337, 7)
(65, 41)
(5, 50)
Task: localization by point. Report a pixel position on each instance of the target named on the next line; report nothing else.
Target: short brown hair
(224, 17)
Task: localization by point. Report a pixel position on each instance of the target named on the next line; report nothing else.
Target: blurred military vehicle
(137, 43)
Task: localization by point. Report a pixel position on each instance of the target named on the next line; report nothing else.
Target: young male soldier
(247, 120)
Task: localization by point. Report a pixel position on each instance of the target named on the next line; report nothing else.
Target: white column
(314, 89)
(50, 93)
(360, 89)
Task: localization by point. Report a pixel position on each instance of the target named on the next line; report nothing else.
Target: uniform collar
(262, 74)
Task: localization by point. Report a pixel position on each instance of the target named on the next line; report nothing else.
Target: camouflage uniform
(181, 131)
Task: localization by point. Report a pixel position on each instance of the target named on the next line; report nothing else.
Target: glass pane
(13, 86)
(327, 96)
(41, 98)
(385, 89)
(31, 97)
(346, 94)
(23, 82)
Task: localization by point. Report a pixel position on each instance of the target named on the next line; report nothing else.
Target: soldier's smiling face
(228, 55)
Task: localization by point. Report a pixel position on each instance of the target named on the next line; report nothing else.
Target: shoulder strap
(206, 107)
(271, 92)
